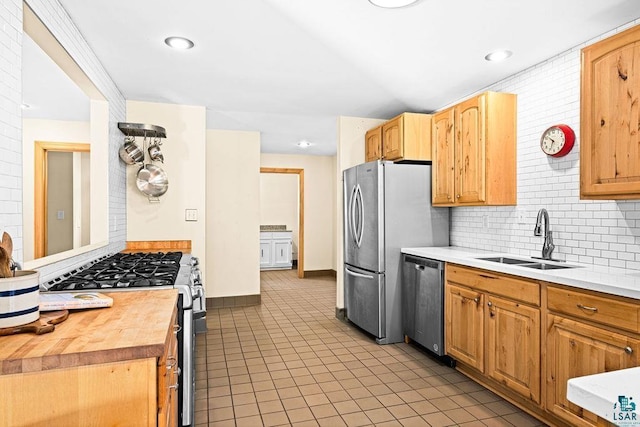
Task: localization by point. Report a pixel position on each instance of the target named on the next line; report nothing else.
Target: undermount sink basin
(506, 260)
(541, 266)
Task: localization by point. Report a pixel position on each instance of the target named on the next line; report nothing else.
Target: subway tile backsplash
(603, 233)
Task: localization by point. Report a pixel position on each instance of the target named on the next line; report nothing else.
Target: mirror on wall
(65, 144)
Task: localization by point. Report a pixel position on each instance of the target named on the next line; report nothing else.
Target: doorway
(300, 173)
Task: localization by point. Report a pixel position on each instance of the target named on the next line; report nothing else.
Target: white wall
(319, 205)
(593, 232)
(184, 163)
(279, 203)
(65, 31)
(232, 213)
(351, 132)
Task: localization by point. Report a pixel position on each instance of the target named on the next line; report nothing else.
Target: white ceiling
(289, 68)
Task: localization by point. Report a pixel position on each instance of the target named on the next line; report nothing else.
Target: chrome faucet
(547, 246)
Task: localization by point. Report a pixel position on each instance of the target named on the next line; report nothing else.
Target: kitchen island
(106, 366)
(524, 327)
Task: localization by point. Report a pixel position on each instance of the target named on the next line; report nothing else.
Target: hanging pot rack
(144, 130)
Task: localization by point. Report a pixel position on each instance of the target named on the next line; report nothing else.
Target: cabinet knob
(628, 350)
(476, 300)
(490, 304)
(457, 196)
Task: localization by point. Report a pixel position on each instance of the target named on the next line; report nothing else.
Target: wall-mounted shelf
(139, 129)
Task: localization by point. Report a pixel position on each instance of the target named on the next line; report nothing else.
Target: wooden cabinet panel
(513, 287)
(513, 346)
(393, 139)
(373, 144)
(443, 170)
(610, 118)
(470, 150)
(575, 349)
(481, 138)
(604, 309)
(464, 330)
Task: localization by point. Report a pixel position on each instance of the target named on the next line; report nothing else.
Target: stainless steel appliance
(136, 271)
(387, 206)
(423, 302)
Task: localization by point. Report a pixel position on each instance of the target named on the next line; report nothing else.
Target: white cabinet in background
(275, 250)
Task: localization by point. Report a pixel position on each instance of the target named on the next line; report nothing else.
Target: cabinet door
(609, 166)
(443, 170)
(393, 139)
(575, 349)
(464, 330)
(373, 144)
(513, 348)
(282, 252)
(470, 150)
(265, 253)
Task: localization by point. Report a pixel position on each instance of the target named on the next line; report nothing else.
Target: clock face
(557, 140)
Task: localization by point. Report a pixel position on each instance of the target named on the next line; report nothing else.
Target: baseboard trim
(320, 273)
(233, 301)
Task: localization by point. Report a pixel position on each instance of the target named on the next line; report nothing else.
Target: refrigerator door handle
(354, 274)
(352, 216)
(360, 216)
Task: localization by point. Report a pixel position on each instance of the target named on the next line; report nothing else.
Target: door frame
(41, 185)
(300, 173)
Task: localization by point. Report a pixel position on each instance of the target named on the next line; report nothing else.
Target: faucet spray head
(537, 231)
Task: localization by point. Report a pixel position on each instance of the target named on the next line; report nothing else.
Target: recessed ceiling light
(498, 55)
(178, 42)
(392, 4)
(304, 144)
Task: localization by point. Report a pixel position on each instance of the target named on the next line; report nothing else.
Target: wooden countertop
(135, 327)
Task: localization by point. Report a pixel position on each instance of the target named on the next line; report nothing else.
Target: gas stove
(133, 270)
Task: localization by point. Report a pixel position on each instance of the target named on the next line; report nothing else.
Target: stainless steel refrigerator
(387, 206)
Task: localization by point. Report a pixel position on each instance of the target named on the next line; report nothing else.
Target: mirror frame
(99, 140)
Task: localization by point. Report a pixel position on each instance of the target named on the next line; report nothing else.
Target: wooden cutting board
(45, 324)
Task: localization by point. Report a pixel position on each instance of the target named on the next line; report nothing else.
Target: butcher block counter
(105, 366)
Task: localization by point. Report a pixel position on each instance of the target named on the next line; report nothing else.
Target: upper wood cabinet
(474, 152)
(405, 137)
(373, 144)
(610, 119)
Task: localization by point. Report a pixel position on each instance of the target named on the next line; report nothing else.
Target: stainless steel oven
(161, 270)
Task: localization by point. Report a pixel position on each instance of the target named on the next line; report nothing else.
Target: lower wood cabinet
(513, 345)
(497, 336)
(575, 349)
(494, 330)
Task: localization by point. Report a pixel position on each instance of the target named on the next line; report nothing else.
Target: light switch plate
(191, 214)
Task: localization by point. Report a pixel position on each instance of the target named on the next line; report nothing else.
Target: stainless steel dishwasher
(423, 302)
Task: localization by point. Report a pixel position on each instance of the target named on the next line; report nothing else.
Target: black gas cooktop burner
(134, 270)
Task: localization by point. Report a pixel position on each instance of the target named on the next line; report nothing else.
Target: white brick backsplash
(59, 23)
(592, 232)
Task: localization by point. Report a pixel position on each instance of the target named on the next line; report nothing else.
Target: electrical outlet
(191, 214)
(485, 221)
(521, 214)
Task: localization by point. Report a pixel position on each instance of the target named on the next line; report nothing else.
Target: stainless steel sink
(541, 266)
(506, 260)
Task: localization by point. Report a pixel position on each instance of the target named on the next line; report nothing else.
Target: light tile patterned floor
(289, 361)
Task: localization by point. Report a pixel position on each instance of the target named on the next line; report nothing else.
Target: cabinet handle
(490, 304)
(628, 350)
(584, 307)
(176, 328)
(172, 362)
(174, 386)
(419, 267)
(261, 253)
(487, 277)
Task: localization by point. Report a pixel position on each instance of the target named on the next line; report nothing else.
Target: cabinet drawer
(608, 310)
(516, 288)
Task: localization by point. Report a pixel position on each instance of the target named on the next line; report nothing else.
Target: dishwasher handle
(422, 263)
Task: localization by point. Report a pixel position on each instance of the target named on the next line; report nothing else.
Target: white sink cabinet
(275, 250)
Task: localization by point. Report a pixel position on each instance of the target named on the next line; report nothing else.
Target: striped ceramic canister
(19, 299)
